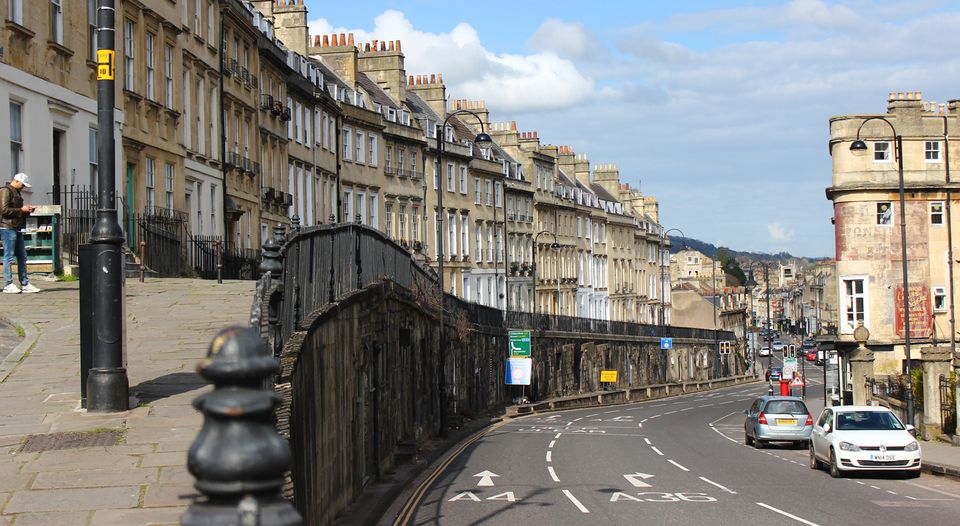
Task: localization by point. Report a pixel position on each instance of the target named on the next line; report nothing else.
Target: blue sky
(719, 109)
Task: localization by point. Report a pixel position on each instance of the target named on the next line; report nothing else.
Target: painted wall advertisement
(921, 321)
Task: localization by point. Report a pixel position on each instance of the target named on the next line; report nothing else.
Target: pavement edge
(30, 337)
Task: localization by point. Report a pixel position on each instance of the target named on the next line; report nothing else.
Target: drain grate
(71, 440)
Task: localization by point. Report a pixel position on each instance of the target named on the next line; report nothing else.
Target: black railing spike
(238, 458)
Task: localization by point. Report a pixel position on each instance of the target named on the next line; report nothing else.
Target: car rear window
(785, 407)
(867, 421)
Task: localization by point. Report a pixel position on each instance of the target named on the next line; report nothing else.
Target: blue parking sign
(666, 343)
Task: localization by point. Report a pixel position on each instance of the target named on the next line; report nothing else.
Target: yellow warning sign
(608, 376)
(105, 69)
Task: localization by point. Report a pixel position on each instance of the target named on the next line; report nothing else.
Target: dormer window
(391, 114)
(448, 134)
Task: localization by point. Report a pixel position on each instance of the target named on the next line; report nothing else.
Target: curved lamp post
(481, 138)
(663, 266)
(860, 146)
(554, 246)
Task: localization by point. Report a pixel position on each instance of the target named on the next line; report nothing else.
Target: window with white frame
(324, 132)
(402, 224)
(415, 221)
(854, 302)
(452, 230)
(939, 299)
(881, 151)
(388, 219)
(388, 159)
(15, 11)
(436, 174)
(489, 187)
(372, 151)
(477, 190)
(885, 213)
(361, 147)
(374, 212)
(168, 74)
(362, 207)
(499, 194)
(168, 178)
(210, 35)
(413, 163)
(465, 235)
(463, 179)
(451, 183)
(936, 213)
(308, 119)
(298, 122)
(56, 21)
(16, 137)
(128, 56)
(479, 239)
(489, 245)
(400, 152)
(348, 206)
(348, 144)
(151, 90)
(150, 180)
(92, 156)
(931, 151)
(91, 29)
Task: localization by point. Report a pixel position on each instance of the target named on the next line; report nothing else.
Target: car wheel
(834, 468)
(747, 439)
(757, 443)
(814, 461)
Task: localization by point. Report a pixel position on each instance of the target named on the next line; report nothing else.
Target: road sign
(666, 343)
(789, 367)
(608, 376)
(637, 479)
(518, 371)
(486, 478)
(797, 382)
(520, 344)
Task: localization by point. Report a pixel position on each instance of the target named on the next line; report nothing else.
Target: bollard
(143, 266)
(219, 246)
(238, 458)
(295, 222)
(280, 234)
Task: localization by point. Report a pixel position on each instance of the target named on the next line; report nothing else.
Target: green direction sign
(520, 344)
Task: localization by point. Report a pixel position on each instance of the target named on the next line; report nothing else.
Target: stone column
(861, 368)
(936, 362)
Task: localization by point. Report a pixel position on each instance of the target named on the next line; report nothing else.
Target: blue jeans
(13, 245)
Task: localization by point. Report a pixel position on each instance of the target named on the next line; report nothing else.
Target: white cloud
(779, 234)
(508, 83)
(567, 39)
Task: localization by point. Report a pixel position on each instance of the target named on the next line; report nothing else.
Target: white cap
(22, 178)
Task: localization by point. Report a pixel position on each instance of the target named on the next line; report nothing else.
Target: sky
(719, 109)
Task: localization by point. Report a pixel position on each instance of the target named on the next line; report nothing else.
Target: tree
(730, 265)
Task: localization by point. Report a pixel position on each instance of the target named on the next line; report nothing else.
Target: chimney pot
(440, 78)
(316, 41)
(433, 78)
(374, 46)
(410, 81)
(513, 125)
(367, 48)
(391, 45)
(326, 41)
(350, 40)
(398, 46)
(534, 135)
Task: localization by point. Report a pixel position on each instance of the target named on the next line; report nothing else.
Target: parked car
(777, 419)
(774, 374)
(868, 438)
(764, 351)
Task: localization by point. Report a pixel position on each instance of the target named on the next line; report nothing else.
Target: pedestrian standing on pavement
(13, 218)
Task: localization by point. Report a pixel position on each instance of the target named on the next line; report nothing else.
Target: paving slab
(142, 480)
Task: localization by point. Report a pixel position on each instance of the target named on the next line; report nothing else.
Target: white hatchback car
(863, 438)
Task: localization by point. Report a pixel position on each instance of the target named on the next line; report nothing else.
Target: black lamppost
(859, 146)
(663, 274)
(107, 383)
(750, 284)
(769, 328)
(481, 138)
(554, 246)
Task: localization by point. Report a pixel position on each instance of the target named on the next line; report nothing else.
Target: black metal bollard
(238, 458)
(280, 234)
(295, 223)
(271, 260)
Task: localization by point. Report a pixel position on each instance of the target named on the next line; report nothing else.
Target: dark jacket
(10, 204)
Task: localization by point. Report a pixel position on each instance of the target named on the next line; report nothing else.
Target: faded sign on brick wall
(921, 321)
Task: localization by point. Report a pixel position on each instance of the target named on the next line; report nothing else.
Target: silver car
(777, 419)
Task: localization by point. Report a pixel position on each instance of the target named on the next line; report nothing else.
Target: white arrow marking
(486, 478)
(637, 479)
(465, 495)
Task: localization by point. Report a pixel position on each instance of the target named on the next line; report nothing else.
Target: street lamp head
(858, 147)
(482, 138)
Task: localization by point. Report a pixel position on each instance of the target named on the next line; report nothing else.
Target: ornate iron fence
(948, 404)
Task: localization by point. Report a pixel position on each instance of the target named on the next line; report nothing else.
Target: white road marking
(909, 497)
(705, 405)
(553, 474)
(647, 440)
(556, 437)
(640, 425)
(669, 412)
(658, 405)
(724, 488)
(637, 479)
(861, 483)
(675, 463)
(552, 442)
(892, 492)
(595, 414)
(575, 502)
(721, 418)
(654, 416)
(657, 451)
(644, 420)
(785, 514)
(549, 456)
(687, 409)
(875, 487)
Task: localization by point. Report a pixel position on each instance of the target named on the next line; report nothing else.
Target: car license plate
(881, 457)
(786, 421)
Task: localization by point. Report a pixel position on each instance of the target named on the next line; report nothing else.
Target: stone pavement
(142, 480)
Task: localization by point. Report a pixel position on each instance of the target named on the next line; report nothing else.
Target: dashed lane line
(552, 442)
(575, 502)
(785, 514)
(647, 440)
(721, 486)
(549, 456)
(657, 451)
(553, 474)
(675, 463)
